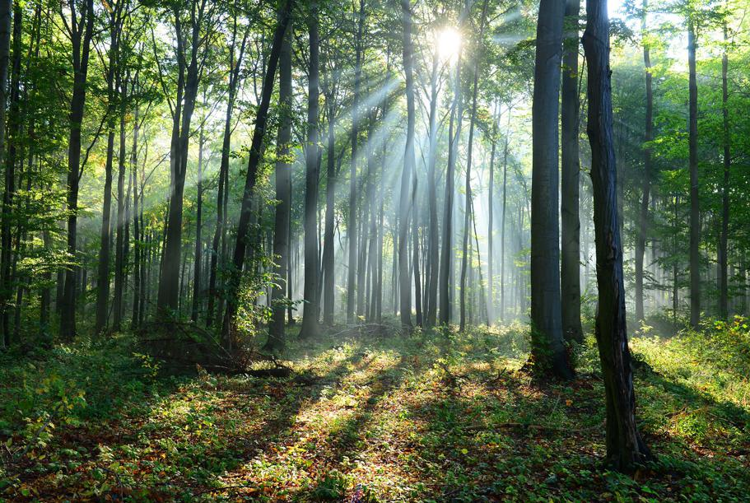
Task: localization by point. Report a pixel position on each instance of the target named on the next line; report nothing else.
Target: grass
(431, 417)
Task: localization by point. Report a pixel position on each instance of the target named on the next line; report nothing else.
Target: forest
(375, 250)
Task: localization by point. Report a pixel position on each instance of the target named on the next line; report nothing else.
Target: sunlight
(448, 43)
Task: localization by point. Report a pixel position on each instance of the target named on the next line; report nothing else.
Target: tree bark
(261, 120)
(6, 7)
(433, 244)
(352, 234)
(548, 351)
(82, 32)
(724, 239)
(406, 175)
(625, 448)
(188, 80)
(121, 242)
(197, 261)
(640, 243)
(284, 197)
(469, 204)
(695, 224)
(570, 267)
(310, 326)
(235, 66)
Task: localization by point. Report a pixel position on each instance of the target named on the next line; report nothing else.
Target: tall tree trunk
(570, 267)
(491, 220)
(167, 303)
(695, 223)
(121, 219)
(640, 243)
(625, 448)
(548, 351)
(261, 120)
(82, 32)
(310, 325)
(329, 267)
(454, 134)
(433, 244)
(469, 204)
(197, 288)
(415, 251)
(283, 195)
(235, 67)
(6, 7)
(503, 219)
(723, 241)
(404, 204)
(137, 229)
(352, 234)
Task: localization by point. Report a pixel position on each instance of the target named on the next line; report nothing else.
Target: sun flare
(448, 43)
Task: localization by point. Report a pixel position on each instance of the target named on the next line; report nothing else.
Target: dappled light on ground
(440, 417)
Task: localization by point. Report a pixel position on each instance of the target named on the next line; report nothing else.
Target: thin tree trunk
(121, 220)
(6, 7)
(352, 223)
(454, 134)
(503, 219)
(695, 224)
(491, 220)
(640, 243)
(197, 288)
(469, 204)
(404, 204)
(433, 245)
(723, 241)
(625, 448)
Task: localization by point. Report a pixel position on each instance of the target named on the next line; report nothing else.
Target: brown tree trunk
(261, 120)
(625, 448)
(82, 32)
(695, 224)
(310, 325)
(548, 351)
(724, 239)
(640, 243)
(284, 196)
(570, 266)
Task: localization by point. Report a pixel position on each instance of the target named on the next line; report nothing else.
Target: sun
(448, 43)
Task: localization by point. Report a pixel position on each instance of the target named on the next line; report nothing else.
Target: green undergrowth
(426, 417)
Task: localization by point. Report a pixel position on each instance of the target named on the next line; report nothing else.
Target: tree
(640, 244)
(406, 174)
(352, 224)
(6, 7)
(283, 195)
(468, 210)
(192, 45)
(625, 447)
(695, 224)
(727, 165)
(570, 266)
(310, 323)
(548, 350)
(236, 57)
(81, 30)
(243, 227)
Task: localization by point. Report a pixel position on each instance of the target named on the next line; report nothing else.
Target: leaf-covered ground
(430, 417)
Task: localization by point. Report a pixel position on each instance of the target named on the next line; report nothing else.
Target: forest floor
(430, 417)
